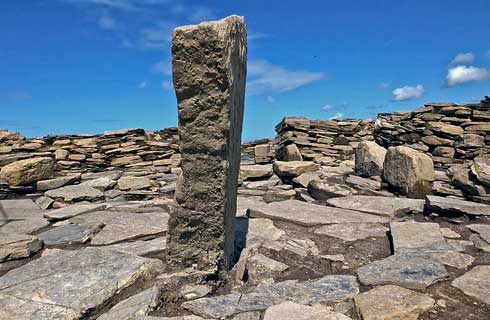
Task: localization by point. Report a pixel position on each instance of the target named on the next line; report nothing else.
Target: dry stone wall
(451, 133)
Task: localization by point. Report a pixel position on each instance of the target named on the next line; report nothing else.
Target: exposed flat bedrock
(209, 71)
(77, 288)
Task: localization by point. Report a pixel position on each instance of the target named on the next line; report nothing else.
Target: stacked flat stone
(262, 150)
(449, 132)
(315, 139)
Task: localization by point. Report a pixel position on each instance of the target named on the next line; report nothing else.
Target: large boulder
(292, 169)
(369, 158)
(24, 172)
(409, 171)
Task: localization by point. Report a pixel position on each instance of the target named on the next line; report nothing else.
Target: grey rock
(17, 246)
(417, 237)
(55, 183)
(72, 211)
(353, 231)
(308, 214)
(369, 158)
(72, 284)
(413, 271)
(475, 283)
(326, 289)
(305, 178)
(482, 229)
(140, 247)
(75, 193)
(256, 171)
(44, 202)
(261, 268)
(21, 216)
(446, 205)
(384, 206)
(481, 169)
(141, 304)
(119, 226)
(409, 171)
(69, 234)
(326, 189)
(293, 311)
(133, 183)
(292, 169)
(101, 184)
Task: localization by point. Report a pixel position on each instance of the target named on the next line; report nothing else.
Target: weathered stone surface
(101, 184)
(17, 246)
(308, 214)
(26, 171)
(209, 72)
(445, 128)
(263, 228)
(391, 303)
(292, 153)
(325, 189)
(292, 169)
(44, 202)
(293, 311)
(55, 183)
(75, 193)
(21, 216)
(482, 229)
(446, 205)
(138, 305)
(73, 210)
(261, 268)
(481, 169)
(475, 283)
(454, 259)
(326, 289)
(140, 247)
(353, 231)
(417, 237)
(69, 234)
(413, 271)
(133, 183)
(409, 171)
(255, 171)
(384, 206)
(78, 288)
(305, 178)
(369, 157)
(244, 203)
(119, 226)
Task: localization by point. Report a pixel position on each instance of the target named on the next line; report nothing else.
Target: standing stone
(209, 70)
(409, 171)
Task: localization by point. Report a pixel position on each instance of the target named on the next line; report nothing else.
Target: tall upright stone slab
(209, 71)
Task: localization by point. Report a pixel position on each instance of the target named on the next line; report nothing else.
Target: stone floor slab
(475, 283)
(417, 237)
(383, 206)
(482, 229)
(73, 210)
(353, 231)
(446, 205)
(69, 233)
(293, 311)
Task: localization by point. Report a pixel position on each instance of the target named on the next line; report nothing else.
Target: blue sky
(85, 66)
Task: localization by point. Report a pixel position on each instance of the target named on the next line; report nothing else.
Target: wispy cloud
(257, 35)
(463, 58)
(408, 93)
(267, 77)
(328, 107)
(337, 116)
(107, 23)
(462, 74)
(162, 67)
(156, 37)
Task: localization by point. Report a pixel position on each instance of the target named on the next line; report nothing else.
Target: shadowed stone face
(209, 69)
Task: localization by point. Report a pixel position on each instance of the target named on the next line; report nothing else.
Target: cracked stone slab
(418, 237)
(121, 225)
(21, 216)
(294, 311)
(475, 283)
(326, 289)
(72, 211)
(72, 284)
(392, 302)
(75, 193)
(140, 304)
(383, 206)
(308, 214)
(17, 246)
(140, 247)
(482, 229)
(69, 234)
(448, 205)
(413, 271)
(244, 203)
(352, 231)
(454, 259)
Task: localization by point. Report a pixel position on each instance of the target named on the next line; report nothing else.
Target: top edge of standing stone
(213, 24)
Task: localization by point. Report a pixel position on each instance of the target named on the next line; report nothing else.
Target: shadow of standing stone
(209, 71)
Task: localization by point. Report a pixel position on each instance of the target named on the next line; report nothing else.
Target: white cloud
(463, 58)
(143, 84)
(337, 116)
(168, 85)
(257, 35)
(328, 107)
(157, 37)
(384, 85)
(462, 74)
(162, 67)
(107, 23)
(270, 99)
(267, 77)
(407, 92)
